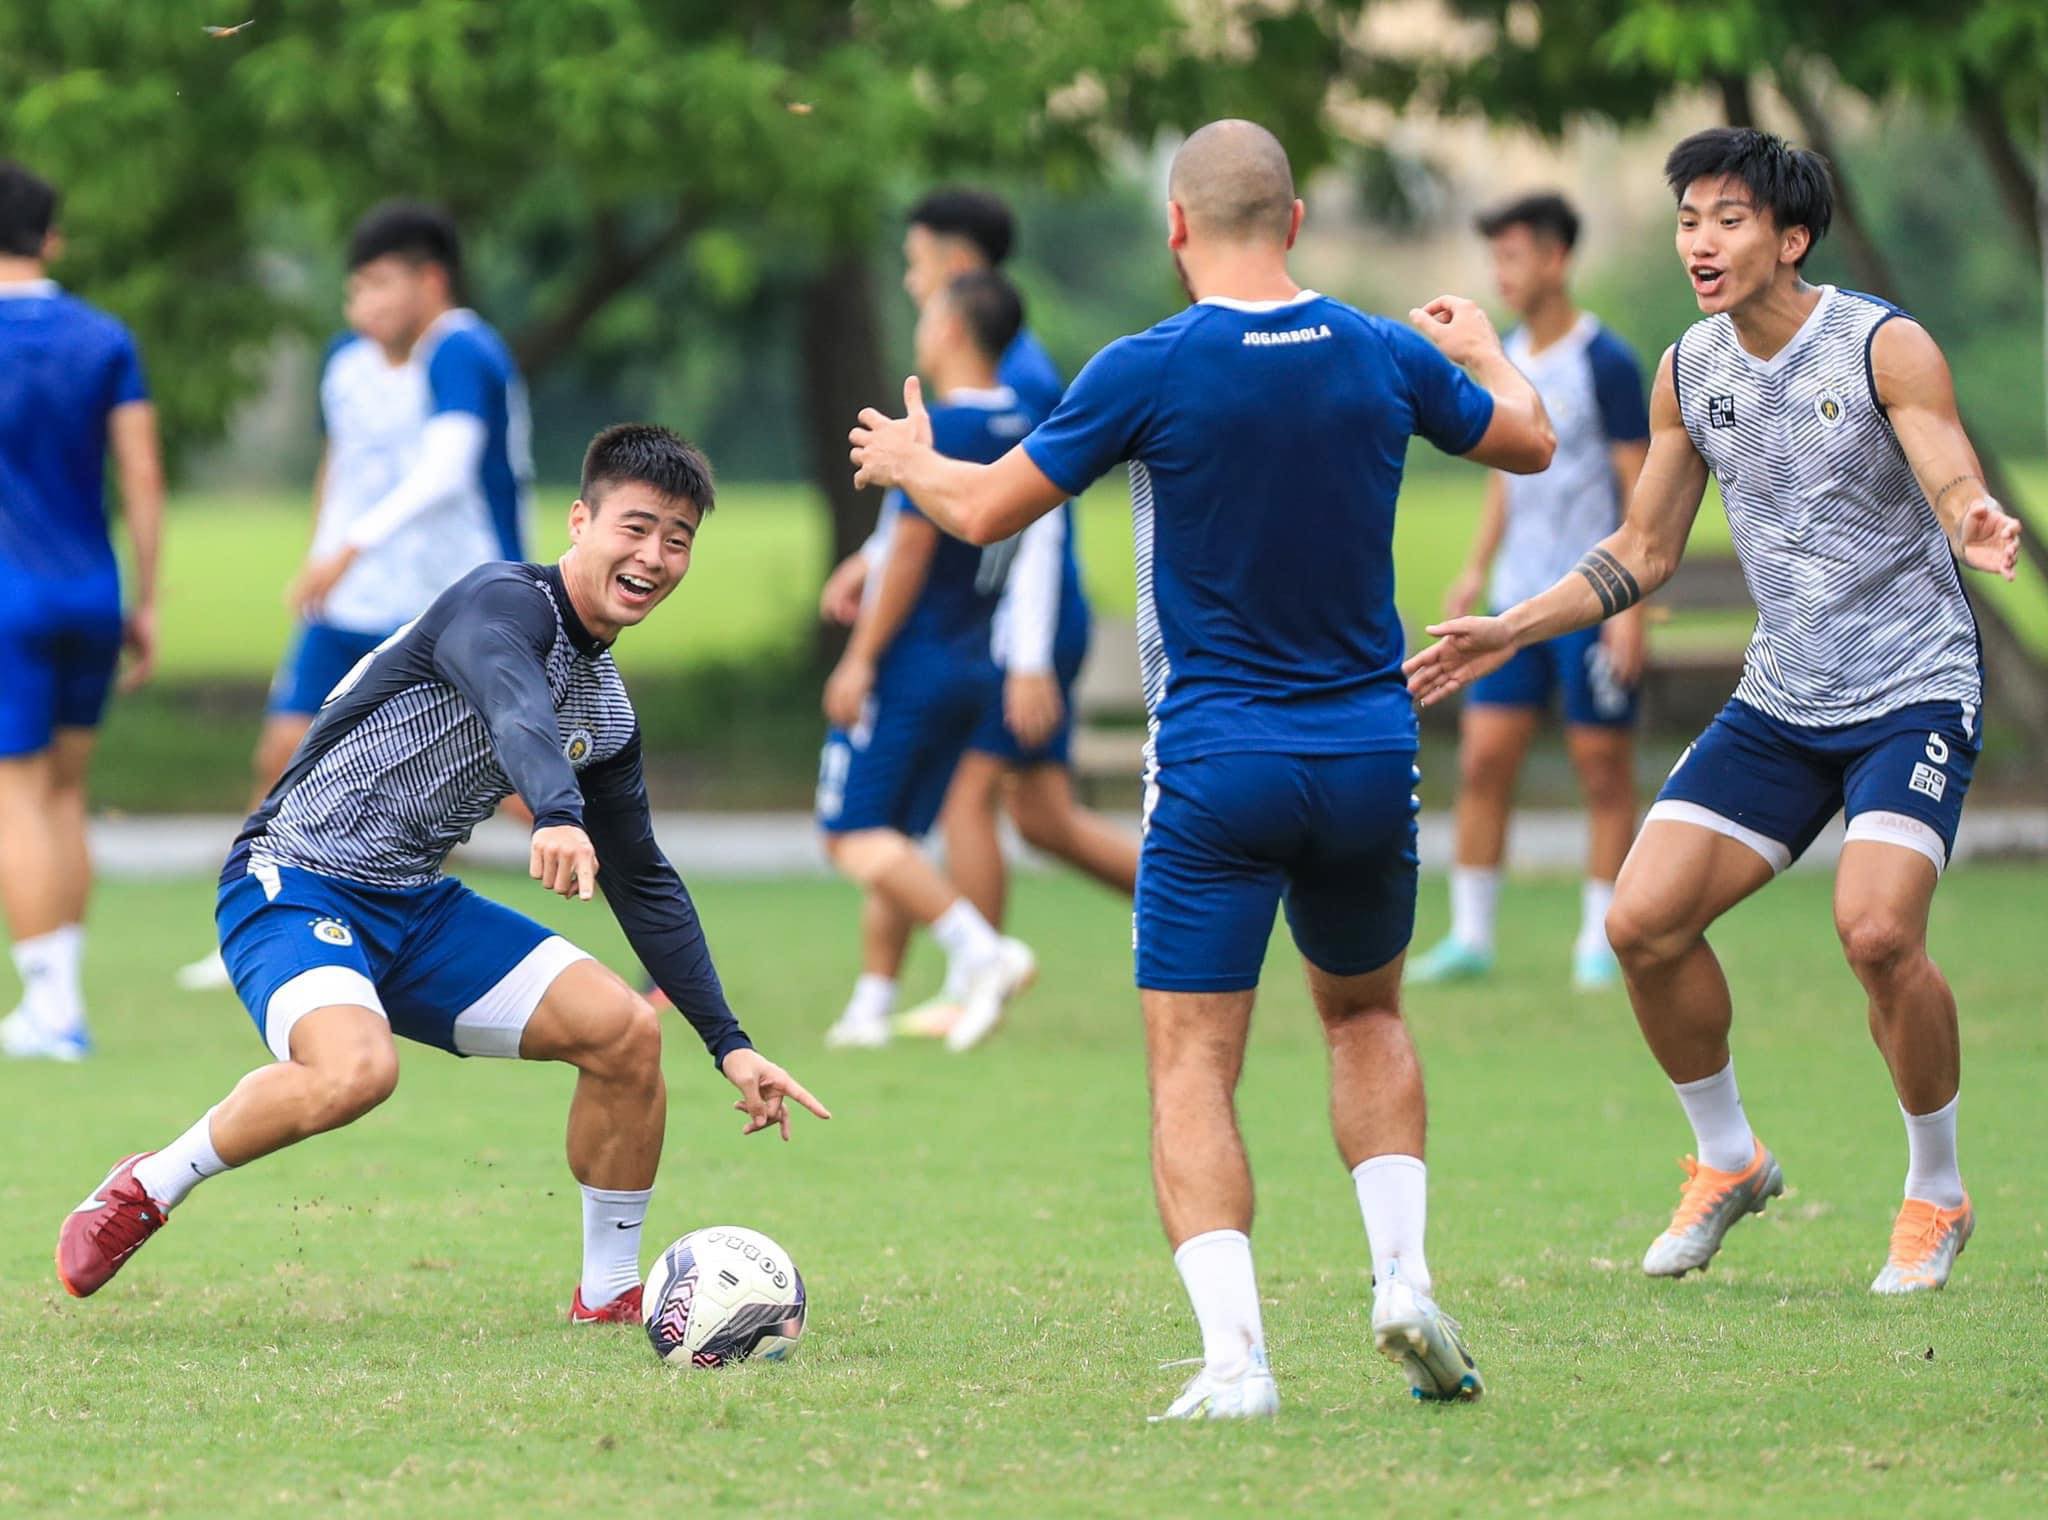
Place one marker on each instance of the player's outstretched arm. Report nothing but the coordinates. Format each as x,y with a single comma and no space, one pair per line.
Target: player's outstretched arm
653,906
1518,437
1919,395
1614,575
982,503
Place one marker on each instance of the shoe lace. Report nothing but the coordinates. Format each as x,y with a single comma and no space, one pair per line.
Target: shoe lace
1915,1235
1697,1195
130,1218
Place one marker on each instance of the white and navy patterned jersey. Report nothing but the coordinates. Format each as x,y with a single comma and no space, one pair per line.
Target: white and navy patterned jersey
1592,388
1860,607
497,687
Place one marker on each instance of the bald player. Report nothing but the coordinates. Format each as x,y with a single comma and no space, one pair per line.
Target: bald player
1265,427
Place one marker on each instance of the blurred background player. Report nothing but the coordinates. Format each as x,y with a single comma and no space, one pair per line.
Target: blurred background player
1532,531
71,388
424,477
1266,428
344,931
915,682
1021,750
1853,494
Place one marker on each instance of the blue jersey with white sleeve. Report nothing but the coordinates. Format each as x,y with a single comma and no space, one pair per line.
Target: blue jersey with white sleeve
64,368
1027,369
470,370
1266,442
954,612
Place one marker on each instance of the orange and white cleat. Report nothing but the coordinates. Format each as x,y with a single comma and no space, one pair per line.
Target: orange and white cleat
1708,1204
1926,1240
623,1310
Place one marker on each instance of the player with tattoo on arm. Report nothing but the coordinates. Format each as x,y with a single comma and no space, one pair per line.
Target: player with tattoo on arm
1854,497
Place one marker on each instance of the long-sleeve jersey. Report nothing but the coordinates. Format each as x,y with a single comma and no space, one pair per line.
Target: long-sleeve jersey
497,687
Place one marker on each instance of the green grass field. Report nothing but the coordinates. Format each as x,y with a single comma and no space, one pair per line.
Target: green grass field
371,1324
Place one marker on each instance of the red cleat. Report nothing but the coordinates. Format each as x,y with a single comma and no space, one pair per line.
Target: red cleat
104,1231
623,1310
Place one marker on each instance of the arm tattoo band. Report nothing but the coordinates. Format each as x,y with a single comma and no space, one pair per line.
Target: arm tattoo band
1959,480
1610,580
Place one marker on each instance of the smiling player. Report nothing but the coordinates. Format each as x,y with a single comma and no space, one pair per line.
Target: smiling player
1829,419
341,931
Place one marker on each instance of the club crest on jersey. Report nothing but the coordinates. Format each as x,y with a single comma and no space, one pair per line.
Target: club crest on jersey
1721,411
332,931
577,749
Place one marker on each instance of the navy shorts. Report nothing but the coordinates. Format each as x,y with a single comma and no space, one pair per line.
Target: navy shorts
892,769
60,639
1901,779
1575,662
319,657
447,967
992,735
1228,838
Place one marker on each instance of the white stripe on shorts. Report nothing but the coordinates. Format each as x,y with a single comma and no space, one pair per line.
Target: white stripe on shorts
322,987
1903,830
494,1023
1777,853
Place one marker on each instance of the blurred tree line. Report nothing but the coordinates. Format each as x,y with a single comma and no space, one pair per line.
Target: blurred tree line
660,191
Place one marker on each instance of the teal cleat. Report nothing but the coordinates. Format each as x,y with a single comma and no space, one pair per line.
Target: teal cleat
1594,969
1450,960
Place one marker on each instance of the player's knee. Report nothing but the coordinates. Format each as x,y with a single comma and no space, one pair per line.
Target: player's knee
637,1047
1642,936
1043,826
1485,768
1877,943
866,855
350,1084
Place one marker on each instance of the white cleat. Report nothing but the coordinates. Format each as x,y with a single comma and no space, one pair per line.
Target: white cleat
1008,972
207,974
23,1039
1245,1393
1409,1329
857,1034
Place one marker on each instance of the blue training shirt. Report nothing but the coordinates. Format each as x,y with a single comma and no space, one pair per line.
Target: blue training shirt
469,369
64,368
954,611
1266,442
1027,369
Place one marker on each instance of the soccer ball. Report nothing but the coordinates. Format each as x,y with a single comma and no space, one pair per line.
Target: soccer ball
722,1295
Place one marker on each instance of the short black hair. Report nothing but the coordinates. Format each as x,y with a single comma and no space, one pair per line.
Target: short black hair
28,210
1793,184
976,215
652,455
410,230
991,308
1545,212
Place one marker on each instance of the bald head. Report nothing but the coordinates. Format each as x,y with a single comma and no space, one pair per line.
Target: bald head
1232,182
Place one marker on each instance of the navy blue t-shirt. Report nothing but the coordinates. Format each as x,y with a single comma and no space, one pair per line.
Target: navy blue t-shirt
954,611
1266,442
64,368
1027,369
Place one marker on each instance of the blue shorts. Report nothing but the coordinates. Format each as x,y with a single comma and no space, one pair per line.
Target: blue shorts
1774,786
992,735
892,770
319,657
1230,837
447,967
1577,662
60,639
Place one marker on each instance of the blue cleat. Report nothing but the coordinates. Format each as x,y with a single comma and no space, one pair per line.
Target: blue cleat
1594,969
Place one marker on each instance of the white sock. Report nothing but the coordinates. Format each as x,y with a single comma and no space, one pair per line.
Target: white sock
1931,1172
182,1165
1720,1128
1393,1195
1594,900
965,935
1216,1268
611,1242
48,966
1474,892
873,1000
